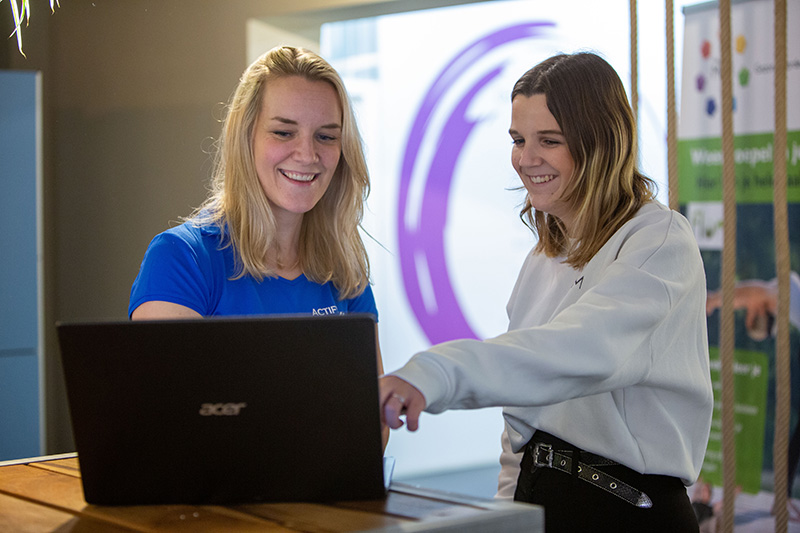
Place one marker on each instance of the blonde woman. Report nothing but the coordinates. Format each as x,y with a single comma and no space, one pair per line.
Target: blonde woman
603,373
279,233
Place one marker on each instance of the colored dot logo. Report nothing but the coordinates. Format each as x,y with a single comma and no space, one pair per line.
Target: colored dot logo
701,79
700,82
741,44
744,77
711,107
744,73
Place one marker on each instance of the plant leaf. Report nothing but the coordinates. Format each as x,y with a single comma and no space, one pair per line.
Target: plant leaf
23,12
18,21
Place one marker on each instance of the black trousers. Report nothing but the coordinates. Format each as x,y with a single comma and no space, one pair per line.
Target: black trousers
571,504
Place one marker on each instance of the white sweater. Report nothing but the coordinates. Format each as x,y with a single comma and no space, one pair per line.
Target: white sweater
612,358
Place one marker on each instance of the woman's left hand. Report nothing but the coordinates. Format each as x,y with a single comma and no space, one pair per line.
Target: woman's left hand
399,397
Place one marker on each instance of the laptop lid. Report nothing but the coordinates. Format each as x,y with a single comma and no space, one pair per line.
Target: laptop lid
225,410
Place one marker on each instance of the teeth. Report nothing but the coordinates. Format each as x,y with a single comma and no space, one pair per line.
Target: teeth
543,179
296,176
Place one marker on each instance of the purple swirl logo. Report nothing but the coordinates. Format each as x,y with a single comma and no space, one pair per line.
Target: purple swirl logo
422,217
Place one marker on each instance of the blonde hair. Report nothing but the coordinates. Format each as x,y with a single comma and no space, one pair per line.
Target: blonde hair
330,246
587,99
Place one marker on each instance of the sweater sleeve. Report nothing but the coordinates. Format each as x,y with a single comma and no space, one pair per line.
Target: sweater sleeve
601,342
363,303
509,469
772,287
794,297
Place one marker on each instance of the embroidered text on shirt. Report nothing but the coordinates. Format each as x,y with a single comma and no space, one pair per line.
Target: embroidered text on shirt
579,282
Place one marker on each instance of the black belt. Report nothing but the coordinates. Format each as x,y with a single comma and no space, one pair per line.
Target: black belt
544,456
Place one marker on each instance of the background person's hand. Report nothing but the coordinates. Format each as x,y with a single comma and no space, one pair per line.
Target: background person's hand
758,300
399,397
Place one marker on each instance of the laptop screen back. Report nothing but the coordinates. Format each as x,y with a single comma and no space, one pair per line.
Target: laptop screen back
224,410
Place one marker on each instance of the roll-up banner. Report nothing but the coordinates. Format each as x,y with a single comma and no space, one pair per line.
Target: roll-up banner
700,194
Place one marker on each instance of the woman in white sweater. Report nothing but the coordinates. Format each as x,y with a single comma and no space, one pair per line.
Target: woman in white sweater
603,373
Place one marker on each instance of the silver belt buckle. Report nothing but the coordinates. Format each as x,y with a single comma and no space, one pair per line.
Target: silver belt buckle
542,455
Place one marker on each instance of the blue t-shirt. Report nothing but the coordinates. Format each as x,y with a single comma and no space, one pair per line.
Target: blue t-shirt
186,265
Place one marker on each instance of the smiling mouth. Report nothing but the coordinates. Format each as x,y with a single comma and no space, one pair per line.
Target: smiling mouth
298,176
542,179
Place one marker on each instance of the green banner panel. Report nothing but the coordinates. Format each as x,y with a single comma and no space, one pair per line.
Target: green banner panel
751,379
700,168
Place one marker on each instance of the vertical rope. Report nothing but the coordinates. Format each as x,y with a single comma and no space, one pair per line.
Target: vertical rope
672,120
780,453
726,335
634,62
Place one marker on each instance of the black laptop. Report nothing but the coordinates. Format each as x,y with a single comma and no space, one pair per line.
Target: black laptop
225,410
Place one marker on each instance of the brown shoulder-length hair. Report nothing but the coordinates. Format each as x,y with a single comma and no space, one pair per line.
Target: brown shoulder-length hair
331,248
587,99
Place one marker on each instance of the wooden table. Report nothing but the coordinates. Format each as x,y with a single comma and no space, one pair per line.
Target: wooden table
45,494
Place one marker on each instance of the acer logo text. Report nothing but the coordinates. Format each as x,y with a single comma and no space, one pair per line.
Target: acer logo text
221,409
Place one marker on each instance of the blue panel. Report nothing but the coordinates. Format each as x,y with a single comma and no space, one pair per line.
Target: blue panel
18,158
19,396
19,361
